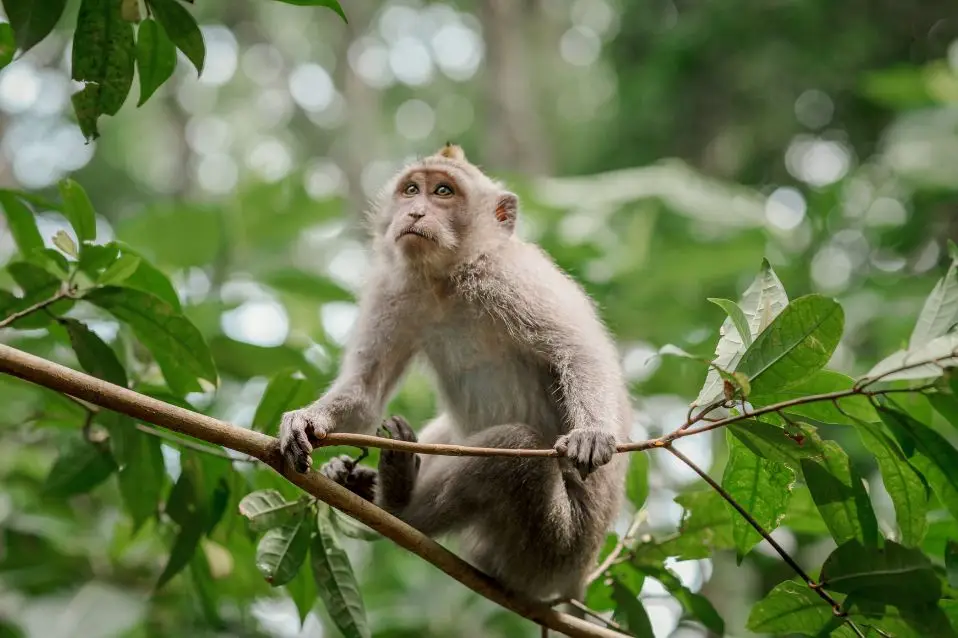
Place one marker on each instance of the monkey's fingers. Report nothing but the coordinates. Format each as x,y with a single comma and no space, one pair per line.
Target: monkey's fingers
294,441
399,429
338,469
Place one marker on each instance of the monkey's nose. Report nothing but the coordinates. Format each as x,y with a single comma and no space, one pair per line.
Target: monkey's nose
417,214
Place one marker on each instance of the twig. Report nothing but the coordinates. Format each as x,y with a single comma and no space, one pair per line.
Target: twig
620,546
63,293
266,448
813,585
594,614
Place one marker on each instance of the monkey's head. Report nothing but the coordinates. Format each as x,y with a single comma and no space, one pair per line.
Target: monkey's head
441,208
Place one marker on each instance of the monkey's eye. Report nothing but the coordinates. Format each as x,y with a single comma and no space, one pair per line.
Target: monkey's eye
410,189
443,190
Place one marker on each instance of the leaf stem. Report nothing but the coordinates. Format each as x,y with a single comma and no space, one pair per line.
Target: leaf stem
63,293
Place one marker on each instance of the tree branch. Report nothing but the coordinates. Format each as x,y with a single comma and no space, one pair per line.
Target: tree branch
266,448
63,293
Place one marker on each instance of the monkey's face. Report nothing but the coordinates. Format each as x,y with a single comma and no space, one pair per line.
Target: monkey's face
426,215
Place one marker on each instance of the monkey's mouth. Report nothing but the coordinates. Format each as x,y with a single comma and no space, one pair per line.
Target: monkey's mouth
418,232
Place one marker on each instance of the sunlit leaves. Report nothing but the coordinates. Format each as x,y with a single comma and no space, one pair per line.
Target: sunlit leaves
791,607
283,549
80,466
892,574
336,582
32,20
924,362
177,345
841,411
182,30
739,320
762,487
155,58
78,209
840,495
103,58
266,509
799,342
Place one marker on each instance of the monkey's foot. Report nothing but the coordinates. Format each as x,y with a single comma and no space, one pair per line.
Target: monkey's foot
588,449
397,470
298,431
358,479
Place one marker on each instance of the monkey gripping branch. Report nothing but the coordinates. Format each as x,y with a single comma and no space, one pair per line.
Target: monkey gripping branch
766,387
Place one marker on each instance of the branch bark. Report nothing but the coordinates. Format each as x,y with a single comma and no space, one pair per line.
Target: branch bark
266,448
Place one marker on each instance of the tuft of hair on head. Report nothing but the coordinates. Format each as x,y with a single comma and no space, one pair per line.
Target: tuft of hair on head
453,152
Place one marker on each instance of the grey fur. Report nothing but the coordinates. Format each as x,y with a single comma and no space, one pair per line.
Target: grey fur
521,359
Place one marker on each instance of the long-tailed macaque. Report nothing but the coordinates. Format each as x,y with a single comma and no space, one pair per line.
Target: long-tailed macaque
521,360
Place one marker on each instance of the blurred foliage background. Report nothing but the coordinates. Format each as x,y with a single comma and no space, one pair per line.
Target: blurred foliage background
661,148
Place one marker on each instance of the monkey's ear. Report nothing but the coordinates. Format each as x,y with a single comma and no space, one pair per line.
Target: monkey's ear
507,208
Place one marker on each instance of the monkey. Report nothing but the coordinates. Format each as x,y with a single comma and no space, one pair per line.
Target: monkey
520,359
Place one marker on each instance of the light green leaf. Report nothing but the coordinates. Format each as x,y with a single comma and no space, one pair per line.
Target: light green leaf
65,243
761,302
798,343
822,382
791,607
155,58
706,527
177,345
803,516
32,20
923,362
904,485
267,509
332,4
637,482
630,612
8,46
336,582
839,494
120,270
78,210
93,354
79,468
775,444
288,390
738,318
181,29
759,485
893,574
148,277
940,312
22,223
283,549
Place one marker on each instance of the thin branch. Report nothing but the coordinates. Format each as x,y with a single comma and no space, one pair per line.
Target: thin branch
594,614
620,546
63,293
196,447
266,448
815,586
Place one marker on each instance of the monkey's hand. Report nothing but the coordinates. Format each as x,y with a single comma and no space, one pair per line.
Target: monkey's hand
397,470
356,478
298,431
587,448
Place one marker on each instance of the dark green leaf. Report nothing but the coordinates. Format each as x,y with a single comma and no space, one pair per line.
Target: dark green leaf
86,105
142,475
149,278
760,486
775,444
705,528
936,459
893,574
332,4
637,483
79,468
630,613
22,223
798,343
283,549
32,20
78,209
302,589
349,526
120,270
951,562
940,312
98,257
185,545
266,509
336,582
822,382
206,589
738,318
946,405
288,390
791,607
8,47
695,604
155,58
94,355
839,494
904,485
181,29
177,345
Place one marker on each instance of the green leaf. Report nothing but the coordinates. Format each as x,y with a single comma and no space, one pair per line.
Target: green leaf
803,516
283,549
184,546
840,496
8,46
38,286
349,526
738,318
930,454
267,509
798,343
181,29
22,223
760,486
695,604
288,390
791,607
904,485
32,20
336,582
630,613
142,474
65,243
120,270
940,312
86,105
79,468
637,483
706,527
761,302
155,58
951,562
302,589
924,362
78,209
177,345
332,4
205,587
149,278
893,574
307,285
775,444
103,57
94,355
822,382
